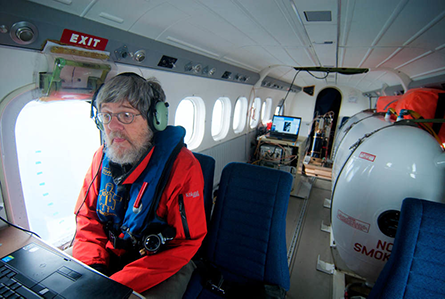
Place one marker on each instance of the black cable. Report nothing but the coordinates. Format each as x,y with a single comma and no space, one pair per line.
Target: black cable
86,194
321,78
20,228
293,80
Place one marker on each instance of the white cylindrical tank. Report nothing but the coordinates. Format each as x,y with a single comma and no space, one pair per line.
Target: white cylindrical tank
394,163
343,130
356,130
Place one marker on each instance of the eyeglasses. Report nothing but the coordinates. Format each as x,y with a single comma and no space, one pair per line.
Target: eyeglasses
123,117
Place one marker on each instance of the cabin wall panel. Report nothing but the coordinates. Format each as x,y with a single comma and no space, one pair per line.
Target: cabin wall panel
19,68
234,150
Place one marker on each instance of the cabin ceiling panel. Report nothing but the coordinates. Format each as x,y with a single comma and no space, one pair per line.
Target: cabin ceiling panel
222,29
324,42
274,20
75,8
326,54
429,65
415,18
191,8
433,38
300,56
349,80
196,39
254,56
255,34
405,56
283,55
352,57
283,73
235,15
155,22
118,14
378,56
367,21
316,5
321,33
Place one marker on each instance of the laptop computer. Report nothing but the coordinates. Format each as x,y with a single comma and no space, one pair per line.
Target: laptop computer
285,127
34,271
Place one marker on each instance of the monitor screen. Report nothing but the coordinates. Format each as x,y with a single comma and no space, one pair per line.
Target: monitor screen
286,125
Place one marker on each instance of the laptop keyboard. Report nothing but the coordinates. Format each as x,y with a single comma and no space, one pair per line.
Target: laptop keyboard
15,285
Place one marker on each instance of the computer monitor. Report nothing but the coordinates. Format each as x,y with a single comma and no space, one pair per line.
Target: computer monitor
286,127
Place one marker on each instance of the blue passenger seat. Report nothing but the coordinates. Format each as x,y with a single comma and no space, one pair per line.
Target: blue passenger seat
208,172
416,267
246,242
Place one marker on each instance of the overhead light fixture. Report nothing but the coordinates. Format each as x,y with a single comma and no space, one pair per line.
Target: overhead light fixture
23,33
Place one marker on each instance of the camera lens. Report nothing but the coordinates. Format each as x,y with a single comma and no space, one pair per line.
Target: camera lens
152,243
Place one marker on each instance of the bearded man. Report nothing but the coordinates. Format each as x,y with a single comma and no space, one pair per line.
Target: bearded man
140,214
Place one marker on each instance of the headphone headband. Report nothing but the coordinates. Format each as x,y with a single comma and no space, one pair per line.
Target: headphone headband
157,114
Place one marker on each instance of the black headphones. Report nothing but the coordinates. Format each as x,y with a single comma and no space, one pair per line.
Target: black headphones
157,115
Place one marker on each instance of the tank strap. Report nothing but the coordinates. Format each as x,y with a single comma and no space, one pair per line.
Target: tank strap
440,111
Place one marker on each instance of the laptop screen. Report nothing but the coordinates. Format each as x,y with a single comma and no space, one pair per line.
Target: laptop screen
286,126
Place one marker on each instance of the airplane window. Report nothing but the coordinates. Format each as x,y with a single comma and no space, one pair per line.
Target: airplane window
190,114
55,145
265,111
220,117
279,110
255,113
185,116
239,115
217,118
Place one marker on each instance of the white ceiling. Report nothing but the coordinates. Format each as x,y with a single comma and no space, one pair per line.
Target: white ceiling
393,38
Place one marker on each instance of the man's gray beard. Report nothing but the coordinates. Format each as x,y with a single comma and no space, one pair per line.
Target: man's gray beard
130,157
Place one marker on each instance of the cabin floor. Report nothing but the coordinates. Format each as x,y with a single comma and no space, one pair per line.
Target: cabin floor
307,243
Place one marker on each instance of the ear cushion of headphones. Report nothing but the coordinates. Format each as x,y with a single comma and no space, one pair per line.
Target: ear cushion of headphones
160,116
94,109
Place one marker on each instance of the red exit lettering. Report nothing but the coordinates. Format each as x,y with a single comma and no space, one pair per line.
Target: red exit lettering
83,40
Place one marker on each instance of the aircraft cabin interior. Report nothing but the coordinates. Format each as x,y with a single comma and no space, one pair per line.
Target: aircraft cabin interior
318,125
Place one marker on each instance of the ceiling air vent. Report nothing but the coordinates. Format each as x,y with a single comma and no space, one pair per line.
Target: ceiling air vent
318,16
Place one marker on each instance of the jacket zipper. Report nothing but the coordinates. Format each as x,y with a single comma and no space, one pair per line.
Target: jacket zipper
185,224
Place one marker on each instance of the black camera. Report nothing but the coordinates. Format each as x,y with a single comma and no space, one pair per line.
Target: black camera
153,242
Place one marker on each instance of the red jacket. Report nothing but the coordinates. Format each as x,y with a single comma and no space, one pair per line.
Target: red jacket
91,244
